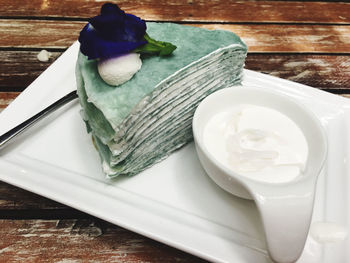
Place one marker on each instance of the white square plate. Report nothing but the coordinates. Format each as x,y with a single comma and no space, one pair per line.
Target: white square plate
173,202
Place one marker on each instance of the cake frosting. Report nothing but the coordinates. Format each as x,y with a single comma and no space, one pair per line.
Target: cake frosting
143,120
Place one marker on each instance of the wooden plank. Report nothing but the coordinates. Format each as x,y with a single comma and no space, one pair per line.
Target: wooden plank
320,71
80,241
5,99
189,10
259,38
19,68
38,34
291,38
17,203
14,198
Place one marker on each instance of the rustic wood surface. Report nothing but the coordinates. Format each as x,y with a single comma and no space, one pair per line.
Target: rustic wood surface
80,240
324,71
259,37
303,41
191,10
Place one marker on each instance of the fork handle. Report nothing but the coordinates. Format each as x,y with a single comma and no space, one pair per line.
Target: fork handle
8,136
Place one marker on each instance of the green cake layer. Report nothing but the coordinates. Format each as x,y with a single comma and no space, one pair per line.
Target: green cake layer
145,119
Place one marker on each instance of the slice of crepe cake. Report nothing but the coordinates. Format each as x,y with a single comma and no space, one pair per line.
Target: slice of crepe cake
142,121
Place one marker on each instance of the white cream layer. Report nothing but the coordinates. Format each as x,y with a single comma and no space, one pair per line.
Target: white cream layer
258,142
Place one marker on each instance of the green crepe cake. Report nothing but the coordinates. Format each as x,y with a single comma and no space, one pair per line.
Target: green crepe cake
143,120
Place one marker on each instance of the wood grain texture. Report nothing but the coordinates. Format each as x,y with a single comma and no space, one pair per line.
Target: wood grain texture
90,240
38,34
259,38
328,72
5,99
20,68
291,38
190,10
14,198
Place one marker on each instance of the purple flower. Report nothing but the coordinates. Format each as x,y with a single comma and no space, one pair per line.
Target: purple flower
112,33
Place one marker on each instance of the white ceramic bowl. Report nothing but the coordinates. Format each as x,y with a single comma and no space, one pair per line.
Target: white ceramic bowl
285,208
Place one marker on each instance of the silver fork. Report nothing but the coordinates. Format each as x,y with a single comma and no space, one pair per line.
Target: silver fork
8,136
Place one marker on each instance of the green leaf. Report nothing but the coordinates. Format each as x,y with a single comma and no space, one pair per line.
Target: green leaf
154,47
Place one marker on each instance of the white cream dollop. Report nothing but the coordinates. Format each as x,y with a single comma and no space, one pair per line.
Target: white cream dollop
116,71
258,142
44,55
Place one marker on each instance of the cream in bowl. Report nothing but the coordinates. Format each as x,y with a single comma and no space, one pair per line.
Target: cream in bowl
262,145
257,142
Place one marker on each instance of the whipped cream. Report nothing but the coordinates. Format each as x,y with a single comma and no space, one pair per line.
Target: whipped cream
118,70
258,142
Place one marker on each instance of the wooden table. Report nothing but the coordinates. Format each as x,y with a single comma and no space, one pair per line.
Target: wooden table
307,42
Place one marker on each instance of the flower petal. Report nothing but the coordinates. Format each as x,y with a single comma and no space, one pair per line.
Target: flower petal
135,28
108,26
111,9
94,46
112,29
